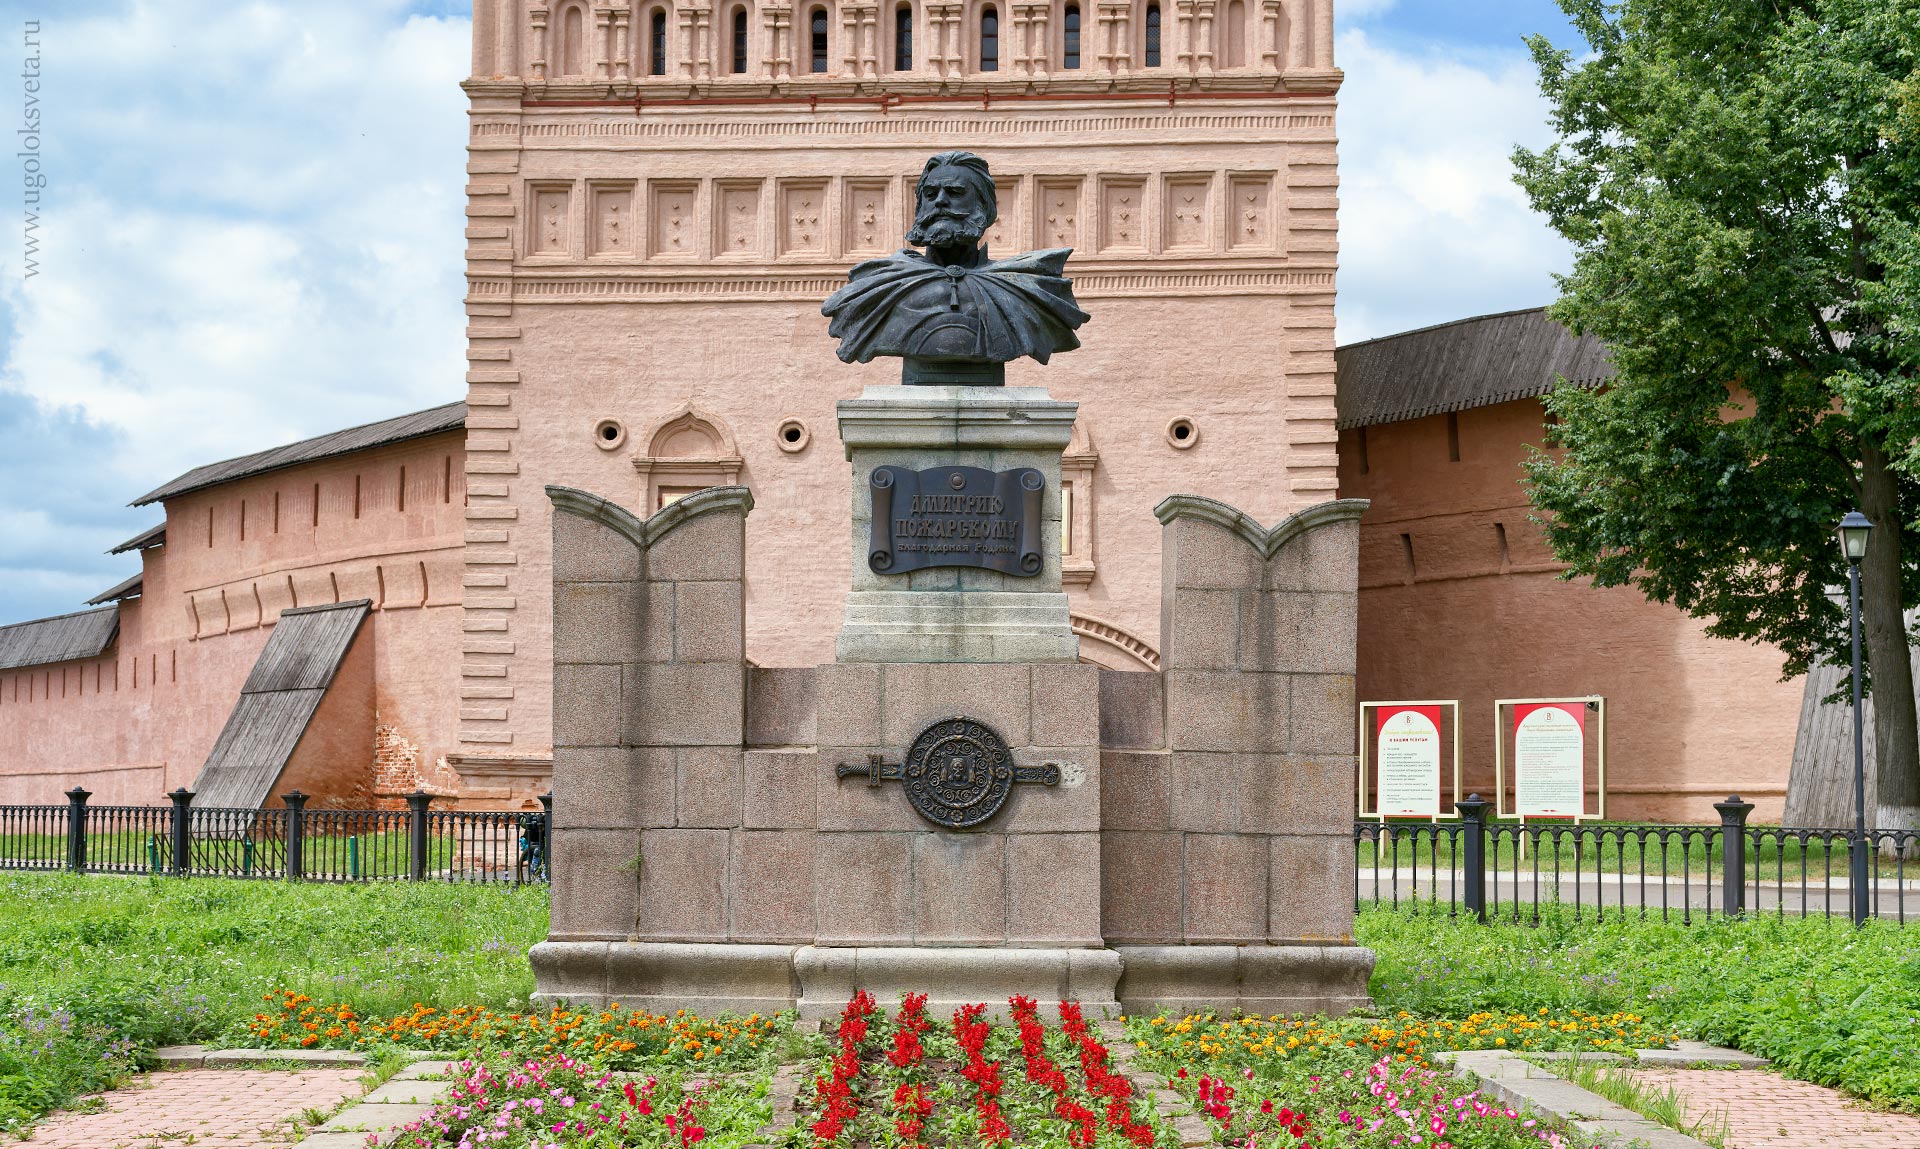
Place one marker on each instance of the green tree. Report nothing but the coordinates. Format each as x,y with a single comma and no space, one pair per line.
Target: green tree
1740,180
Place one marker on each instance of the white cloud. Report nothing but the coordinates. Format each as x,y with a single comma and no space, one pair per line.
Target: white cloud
252,234
1432,226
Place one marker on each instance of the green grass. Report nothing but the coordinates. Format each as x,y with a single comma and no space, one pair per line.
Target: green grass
154,961
1827,1003
96,971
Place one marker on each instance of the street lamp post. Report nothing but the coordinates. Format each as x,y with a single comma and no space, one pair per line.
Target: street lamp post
1854,529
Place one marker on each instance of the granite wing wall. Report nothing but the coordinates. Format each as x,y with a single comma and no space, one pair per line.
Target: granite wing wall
1234,834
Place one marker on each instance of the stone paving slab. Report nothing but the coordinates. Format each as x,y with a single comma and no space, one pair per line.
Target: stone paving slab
1508,1079
425,1068
1690,1053
181,1056
232,1108
406,1092
374,1118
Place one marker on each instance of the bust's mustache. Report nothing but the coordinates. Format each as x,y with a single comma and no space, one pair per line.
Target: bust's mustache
939,227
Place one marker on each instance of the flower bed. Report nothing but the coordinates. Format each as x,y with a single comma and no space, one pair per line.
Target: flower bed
560,1102
1242,1042
614,1038
1272,1083
904,1083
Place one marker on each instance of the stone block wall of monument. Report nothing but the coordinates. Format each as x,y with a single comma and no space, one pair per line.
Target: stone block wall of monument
659,197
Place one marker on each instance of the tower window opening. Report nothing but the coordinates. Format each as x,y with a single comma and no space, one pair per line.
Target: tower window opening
903,38
989,40
1070,53
1153,36
657,44
817,27
573,42
739,41
1236,34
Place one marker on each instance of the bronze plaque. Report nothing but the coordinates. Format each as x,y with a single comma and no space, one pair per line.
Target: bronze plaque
956,517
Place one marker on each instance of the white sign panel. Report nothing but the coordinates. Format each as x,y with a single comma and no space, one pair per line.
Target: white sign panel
1549,760
1408,762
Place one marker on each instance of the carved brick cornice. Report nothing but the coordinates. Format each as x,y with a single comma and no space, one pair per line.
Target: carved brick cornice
776,283
1303,122
996,89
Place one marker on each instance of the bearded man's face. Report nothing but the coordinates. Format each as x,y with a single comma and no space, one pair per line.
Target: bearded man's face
950,214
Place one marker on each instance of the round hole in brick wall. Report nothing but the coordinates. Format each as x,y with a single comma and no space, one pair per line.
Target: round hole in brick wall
792,436
1182,434
609,434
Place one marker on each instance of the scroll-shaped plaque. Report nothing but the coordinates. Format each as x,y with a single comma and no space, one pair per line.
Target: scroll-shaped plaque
957,517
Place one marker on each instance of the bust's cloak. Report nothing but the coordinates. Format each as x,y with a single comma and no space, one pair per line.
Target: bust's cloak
905,304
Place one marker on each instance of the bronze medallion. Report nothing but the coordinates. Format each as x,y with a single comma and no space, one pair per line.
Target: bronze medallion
958,773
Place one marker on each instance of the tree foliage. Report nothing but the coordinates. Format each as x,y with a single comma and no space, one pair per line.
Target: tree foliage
1741,182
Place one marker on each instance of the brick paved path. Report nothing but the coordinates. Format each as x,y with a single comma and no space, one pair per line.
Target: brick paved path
220,1108
1767,1111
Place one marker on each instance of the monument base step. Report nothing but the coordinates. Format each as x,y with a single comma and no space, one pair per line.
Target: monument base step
714,977
1253,979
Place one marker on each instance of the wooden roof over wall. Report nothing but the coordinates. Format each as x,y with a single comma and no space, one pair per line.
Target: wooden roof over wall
432,421
277,702
63,638
129,588
1456,366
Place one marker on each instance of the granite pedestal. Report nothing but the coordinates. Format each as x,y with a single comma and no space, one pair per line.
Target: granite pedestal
724,836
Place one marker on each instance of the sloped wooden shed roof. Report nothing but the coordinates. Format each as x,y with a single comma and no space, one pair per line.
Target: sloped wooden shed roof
432,421
276,704
127,589
153,536
62,638
1460,365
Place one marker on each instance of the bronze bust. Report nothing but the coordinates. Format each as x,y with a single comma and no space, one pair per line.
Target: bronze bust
953,314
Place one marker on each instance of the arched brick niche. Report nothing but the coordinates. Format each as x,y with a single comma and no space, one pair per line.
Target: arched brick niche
690,451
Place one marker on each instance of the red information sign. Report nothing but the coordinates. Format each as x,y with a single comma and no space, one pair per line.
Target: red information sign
1407,761
1549,759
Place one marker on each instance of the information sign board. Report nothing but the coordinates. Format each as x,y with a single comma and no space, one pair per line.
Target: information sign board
1407,761
1549,759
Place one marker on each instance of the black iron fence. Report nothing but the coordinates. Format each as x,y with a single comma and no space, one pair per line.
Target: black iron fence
294,842
1486,870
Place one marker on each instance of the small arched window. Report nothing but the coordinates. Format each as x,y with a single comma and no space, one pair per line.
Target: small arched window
1070,49
657,44
573,41
1236,34
1153,36
903,38
817,28
739,41
989,40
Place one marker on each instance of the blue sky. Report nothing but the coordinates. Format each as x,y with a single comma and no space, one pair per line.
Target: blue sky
252,233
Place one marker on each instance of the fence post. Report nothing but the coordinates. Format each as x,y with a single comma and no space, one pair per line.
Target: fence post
417,834
1473,828
1733,854
77,829
546,834
182,841
296,835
